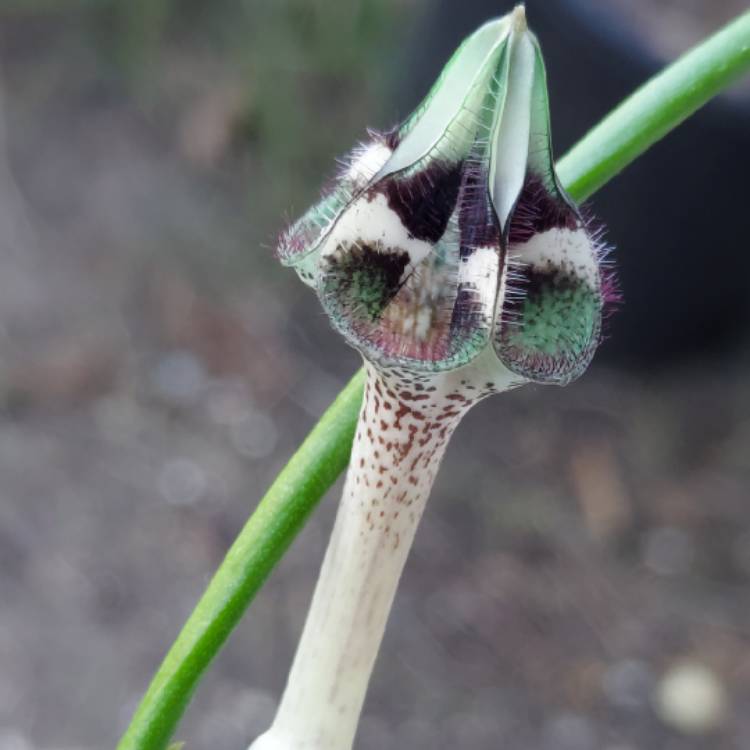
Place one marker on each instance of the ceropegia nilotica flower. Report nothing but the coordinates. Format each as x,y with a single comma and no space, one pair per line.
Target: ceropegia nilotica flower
448,253
451,233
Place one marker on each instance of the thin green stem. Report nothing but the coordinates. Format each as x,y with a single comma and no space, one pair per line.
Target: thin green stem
645,117
261,544
657,107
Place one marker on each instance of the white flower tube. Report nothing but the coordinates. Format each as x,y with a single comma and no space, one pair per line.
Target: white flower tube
403,429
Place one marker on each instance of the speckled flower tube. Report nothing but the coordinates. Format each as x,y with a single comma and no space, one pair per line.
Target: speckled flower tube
448,254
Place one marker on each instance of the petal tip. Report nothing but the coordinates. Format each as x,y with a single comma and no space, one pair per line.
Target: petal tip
518,19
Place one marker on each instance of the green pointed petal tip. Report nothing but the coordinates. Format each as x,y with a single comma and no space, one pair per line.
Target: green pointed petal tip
443,126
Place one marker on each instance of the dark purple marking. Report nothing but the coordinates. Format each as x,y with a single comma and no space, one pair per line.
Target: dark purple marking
537,210
468,315
364,278
425,200
477,221
535,280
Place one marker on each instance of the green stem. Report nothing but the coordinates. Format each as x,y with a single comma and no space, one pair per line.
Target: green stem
261,544
657,107
641,120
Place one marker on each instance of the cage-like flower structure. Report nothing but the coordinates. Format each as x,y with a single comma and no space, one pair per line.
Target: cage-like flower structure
451,234
447,252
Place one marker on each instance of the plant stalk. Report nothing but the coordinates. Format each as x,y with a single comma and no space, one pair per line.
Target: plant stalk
402,432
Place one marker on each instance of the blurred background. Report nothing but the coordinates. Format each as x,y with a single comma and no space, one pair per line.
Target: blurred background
581,580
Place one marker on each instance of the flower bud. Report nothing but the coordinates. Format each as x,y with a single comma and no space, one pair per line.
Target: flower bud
451,234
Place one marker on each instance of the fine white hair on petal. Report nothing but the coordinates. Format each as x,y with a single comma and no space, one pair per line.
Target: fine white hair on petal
367,160
512,291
